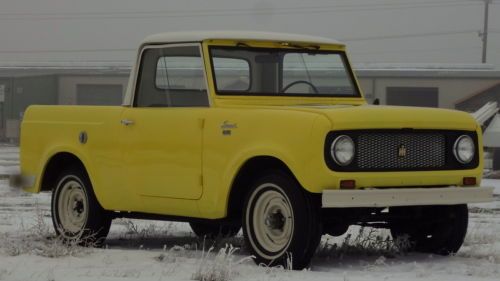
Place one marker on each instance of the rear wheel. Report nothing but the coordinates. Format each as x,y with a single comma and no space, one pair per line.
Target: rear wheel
76,214
212,230
281,222
431,229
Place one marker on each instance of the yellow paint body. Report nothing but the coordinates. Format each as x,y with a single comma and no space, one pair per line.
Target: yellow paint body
177,161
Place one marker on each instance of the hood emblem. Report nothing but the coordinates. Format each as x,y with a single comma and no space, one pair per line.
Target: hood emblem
402,151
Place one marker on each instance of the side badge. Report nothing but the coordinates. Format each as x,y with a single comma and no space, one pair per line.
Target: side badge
227,128
82,137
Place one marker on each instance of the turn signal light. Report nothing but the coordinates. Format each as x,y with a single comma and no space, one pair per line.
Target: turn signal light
347,184
469,181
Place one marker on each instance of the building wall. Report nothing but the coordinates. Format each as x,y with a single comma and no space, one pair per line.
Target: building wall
68,85
450,90
21,93
367,87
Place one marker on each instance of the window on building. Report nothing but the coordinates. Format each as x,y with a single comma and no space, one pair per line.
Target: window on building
413,96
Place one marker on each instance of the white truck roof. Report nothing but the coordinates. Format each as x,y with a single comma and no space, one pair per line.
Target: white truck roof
198,36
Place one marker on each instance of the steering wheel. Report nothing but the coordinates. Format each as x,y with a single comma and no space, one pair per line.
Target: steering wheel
300,82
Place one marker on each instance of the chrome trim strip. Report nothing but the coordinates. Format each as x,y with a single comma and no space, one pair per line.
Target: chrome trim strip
406,196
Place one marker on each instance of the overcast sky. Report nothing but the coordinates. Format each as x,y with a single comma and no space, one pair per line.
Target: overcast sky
392,31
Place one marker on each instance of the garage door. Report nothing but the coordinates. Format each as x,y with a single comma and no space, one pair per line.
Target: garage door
413,96
87,94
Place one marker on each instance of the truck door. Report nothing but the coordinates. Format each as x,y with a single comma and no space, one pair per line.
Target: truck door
163,129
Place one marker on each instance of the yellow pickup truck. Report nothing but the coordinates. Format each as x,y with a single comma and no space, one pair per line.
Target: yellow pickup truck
262,131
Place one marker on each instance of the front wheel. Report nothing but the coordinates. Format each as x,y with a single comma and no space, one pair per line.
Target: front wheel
76,214
281,222
431,229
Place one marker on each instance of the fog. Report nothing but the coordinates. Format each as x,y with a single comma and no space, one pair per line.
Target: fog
406,31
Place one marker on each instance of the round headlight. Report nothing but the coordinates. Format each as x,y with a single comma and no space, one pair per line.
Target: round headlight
342,150
464,149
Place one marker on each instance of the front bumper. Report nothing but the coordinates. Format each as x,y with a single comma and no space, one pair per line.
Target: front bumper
405,196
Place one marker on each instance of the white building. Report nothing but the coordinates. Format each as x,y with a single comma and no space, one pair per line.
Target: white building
463,87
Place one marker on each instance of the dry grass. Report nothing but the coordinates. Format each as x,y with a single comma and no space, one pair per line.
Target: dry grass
135,231
39,239
218,268
366,241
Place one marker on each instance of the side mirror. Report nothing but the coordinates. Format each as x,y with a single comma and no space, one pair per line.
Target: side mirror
376,101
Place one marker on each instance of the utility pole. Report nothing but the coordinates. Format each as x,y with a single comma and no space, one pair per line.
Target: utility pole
484,34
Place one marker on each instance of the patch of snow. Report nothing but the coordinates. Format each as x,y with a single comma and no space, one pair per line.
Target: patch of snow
492,182
155,250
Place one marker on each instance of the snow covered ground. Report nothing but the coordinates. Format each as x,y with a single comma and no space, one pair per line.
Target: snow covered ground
150,250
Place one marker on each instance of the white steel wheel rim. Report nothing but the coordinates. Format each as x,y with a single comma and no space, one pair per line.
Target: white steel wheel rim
272,221
72,207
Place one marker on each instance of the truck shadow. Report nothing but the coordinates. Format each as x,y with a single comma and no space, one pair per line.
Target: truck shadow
188,242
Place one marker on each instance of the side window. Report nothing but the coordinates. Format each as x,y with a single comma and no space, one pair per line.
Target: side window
171,77
180,73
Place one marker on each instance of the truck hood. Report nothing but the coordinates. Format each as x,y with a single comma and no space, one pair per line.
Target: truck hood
345,117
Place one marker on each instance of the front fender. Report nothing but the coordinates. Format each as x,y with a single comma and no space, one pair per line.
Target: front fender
297,147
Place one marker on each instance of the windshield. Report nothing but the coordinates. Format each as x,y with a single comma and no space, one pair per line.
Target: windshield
281,72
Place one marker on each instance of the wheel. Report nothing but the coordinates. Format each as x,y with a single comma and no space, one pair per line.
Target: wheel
300,82
212,230
431,229
281,222
76,214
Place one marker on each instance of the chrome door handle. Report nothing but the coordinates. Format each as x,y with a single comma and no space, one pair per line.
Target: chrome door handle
126,122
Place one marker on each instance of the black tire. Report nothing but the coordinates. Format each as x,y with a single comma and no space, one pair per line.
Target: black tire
335,229
431,229
287,229
496,159
213,230
77,216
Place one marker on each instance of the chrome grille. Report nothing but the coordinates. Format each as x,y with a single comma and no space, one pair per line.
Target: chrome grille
400,151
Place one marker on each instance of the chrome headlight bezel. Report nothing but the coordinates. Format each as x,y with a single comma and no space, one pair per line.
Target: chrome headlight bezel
335,150
463,145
